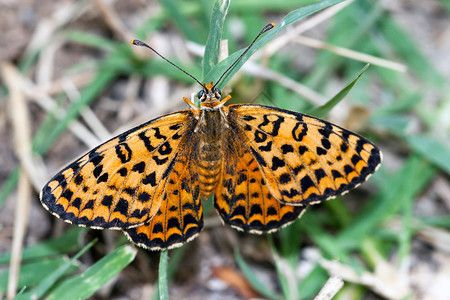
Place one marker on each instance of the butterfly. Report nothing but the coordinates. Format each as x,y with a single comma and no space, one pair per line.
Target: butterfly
265,166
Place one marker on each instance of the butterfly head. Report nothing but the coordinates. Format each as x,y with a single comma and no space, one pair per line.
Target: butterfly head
210,96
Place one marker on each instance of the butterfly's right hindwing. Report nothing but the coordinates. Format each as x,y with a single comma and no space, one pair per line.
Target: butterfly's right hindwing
119,183
242,196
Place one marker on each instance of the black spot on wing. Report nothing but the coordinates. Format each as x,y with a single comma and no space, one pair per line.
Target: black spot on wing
286,148
259,159
266,148
260,136
321,151
139,167
95,158
97,171
320,173
306,182
103,178
146,141
150,179
300,130
107,200
123,152
158,134
144,197
123,172
165,149
277,163
160,161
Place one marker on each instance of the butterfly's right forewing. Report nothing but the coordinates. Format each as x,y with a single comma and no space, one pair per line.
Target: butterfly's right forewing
119,183
303,159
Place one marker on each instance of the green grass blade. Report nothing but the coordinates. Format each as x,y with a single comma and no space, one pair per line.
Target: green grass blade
290,18
446,4
441,221
163,285
285,273
407,231
176,257
92,40
32,273
410,53
431,149
258,6
409,180
9,185
312,283
70,241
50,280
323,110
211,57
252,279
174,10
328,245
290,242
85,285
22,290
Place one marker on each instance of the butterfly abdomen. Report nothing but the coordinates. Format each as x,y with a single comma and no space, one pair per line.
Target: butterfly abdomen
210,151
208,177
209,167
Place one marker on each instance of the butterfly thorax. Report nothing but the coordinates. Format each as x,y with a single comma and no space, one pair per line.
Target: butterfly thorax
210,132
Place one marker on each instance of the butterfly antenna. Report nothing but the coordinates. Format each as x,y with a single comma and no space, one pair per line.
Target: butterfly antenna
266,28
142,44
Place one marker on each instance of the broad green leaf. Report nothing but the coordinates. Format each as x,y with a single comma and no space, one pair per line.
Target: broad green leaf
85,285
32,273
49,281
290,18
211,57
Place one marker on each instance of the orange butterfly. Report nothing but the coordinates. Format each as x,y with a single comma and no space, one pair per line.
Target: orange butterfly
265,165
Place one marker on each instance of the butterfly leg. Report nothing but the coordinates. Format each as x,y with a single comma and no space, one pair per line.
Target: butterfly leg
189,102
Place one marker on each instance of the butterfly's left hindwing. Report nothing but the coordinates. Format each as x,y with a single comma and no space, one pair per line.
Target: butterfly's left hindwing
180,216
303,159
120,183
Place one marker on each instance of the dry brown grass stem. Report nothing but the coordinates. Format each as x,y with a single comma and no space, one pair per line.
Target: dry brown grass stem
329,290
112,19
283,39
49,104
314,43
20,121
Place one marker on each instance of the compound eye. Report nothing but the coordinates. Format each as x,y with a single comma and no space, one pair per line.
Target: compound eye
200,94
216,90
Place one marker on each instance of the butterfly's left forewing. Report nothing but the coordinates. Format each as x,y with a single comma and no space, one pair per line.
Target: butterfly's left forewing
119,183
